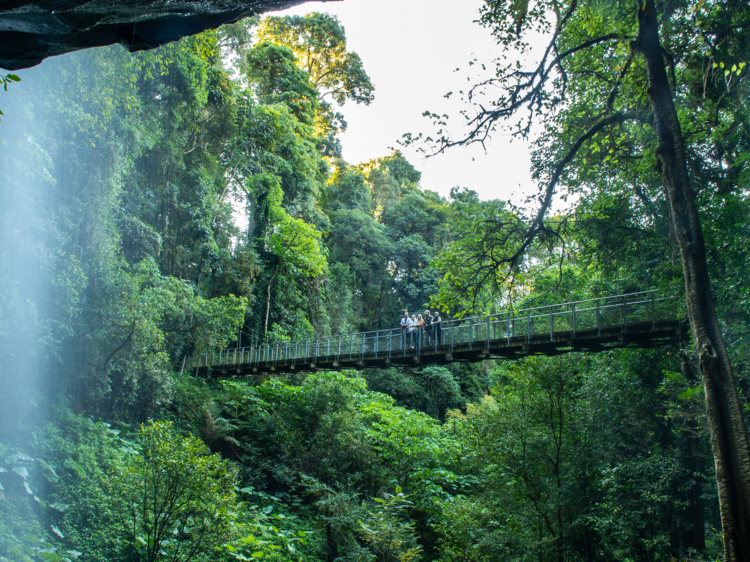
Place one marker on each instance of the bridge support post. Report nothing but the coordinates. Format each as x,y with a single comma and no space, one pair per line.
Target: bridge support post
507,329
573,320
653,317
528,325
551,324
488,332
598,320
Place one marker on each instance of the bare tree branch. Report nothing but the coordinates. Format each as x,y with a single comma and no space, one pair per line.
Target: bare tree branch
528,90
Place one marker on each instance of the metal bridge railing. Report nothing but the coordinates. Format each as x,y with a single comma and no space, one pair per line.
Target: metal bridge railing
475,332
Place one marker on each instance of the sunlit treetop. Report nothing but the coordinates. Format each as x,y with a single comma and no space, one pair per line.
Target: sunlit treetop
319,43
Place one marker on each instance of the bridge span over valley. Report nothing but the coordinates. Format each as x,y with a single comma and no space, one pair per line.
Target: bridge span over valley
637,320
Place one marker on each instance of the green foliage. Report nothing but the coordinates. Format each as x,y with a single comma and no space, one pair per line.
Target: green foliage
273,69
384,531
319,43
84,456
337,443
144,317
179,503
22,536
6,79
59,504
292,241
486,234
349,190
561,469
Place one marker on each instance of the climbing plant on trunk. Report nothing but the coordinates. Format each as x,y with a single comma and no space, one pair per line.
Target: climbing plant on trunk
294,244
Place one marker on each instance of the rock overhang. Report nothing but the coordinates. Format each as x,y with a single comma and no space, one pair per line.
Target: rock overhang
32,30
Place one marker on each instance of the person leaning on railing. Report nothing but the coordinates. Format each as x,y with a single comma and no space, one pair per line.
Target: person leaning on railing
405,329
437,327
413,330
420,330
428,329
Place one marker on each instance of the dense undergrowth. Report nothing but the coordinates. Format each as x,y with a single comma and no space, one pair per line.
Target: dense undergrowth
597,454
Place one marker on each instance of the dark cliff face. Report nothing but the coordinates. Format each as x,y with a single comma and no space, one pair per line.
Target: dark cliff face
31,30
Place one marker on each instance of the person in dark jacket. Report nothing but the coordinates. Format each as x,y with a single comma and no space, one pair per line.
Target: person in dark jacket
437,327
428,329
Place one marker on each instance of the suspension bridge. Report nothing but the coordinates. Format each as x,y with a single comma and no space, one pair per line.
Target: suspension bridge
638,320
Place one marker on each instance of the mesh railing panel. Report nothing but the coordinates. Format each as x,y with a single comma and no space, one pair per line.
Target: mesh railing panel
553,321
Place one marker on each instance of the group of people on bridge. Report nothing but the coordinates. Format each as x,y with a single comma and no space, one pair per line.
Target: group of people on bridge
419,330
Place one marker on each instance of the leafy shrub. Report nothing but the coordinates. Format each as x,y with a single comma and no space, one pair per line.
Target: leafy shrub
179,502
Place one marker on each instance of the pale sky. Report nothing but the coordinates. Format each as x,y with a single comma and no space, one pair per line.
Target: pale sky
411,49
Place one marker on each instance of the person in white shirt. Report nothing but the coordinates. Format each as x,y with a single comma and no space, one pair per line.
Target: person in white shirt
405,330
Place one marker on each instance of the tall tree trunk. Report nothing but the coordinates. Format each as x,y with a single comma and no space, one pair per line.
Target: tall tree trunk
697,531
729,439
268,299
696,534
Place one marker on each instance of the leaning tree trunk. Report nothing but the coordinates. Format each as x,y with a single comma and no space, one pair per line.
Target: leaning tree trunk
729,439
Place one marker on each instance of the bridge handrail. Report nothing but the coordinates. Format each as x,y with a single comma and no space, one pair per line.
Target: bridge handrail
380,341
570,303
